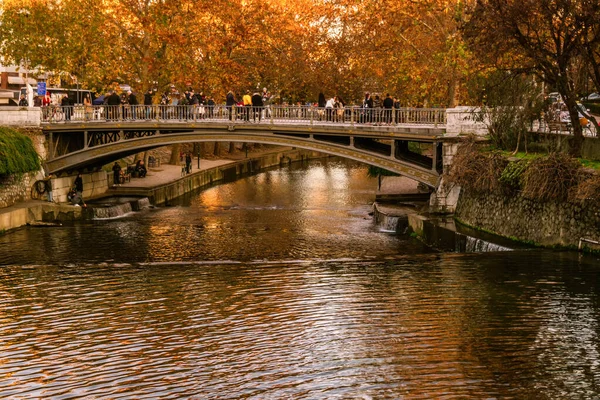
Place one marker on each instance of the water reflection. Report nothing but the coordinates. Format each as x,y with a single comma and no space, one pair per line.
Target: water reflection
251,291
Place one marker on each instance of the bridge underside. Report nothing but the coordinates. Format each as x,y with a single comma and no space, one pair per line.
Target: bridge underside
77,148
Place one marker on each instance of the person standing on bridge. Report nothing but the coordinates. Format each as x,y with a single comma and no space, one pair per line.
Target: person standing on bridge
247,105
230,103
113,102
257,106
388,104
66,106
116,173
321,103
148,103
133,103
367,108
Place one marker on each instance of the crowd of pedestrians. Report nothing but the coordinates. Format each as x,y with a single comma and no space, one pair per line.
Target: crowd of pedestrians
249,107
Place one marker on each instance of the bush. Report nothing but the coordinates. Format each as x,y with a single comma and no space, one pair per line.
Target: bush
588,187
476,171
17,154
551,178
556,177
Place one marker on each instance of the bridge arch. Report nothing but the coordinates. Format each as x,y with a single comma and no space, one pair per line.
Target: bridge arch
100,146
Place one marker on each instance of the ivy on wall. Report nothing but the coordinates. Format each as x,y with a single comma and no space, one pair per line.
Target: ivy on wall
17,154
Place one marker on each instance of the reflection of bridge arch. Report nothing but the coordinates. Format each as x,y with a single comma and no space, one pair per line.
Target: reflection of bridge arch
92,145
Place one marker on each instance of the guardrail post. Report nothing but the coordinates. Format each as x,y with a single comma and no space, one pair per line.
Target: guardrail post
272,112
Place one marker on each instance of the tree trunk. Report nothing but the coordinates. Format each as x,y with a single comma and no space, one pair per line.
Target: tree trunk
231,147
175,150
453,92
217,149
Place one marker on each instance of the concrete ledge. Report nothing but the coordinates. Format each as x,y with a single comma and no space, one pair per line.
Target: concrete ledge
20,116
18,216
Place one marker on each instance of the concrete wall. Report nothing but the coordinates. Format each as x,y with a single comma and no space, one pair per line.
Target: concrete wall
18,188
94,185
48,212
548,223
20,116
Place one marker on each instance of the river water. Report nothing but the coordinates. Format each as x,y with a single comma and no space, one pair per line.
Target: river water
279,286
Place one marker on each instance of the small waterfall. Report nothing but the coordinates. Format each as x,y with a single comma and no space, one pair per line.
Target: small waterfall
116,207
389,224
475,245
114,211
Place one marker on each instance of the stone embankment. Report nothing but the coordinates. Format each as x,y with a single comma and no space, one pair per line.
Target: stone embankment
542,223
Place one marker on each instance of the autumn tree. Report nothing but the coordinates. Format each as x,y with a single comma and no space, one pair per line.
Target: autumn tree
539,36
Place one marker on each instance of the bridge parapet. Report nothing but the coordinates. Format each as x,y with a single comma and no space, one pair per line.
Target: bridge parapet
465,120
20,116
280,114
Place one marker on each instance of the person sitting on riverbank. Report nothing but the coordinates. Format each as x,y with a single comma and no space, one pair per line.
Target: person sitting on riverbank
75,198
140,169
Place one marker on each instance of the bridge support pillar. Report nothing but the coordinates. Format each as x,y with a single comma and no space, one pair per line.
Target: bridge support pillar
50,146
85,139
445,198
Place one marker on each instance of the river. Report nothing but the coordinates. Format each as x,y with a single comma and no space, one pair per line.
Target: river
279,286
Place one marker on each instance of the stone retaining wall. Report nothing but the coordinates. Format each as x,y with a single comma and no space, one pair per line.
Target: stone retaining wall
548,223
17,188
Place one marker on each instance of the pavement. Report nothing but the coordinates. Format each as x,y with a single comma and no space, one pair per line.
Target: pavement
167,173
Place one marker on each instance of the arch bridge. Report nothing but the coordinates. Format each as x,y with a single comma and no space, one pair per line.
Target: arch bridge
406,141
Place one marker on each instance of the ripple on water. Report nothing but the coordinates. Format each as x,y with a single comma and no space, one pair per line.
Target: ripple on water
427,327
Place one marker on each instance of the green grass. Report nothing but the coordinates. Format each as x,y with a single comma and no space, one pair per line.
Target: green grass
522,155
532,156
590,164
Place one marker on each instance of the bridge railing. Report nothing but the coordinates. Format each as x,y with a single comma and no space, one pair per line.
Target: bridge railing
239,114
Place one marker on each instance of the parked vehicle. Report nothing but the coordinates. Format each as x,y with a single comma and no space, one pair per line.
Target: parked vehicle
56,94
592,97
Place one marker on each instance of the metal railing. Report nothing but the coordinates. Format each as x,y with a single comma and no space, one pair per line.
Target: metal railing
239,114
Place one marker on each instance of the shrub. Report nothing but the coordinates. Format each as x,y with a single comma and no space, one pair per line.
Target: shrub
17,154
551,178
476,171
588,187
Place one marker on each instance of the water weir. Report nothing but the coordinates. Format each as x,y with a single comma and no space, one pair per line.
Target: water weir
441,233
